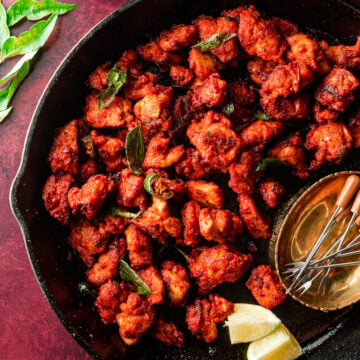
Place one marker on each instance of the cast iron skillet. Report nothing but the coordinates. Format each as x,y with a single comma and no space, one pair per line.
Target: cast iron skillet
62,100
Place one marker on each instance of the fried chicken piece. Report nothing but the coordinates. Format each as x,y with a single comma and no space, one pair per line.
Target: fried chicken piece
242,174
115,225
343,55
220,308
178,36
202,64
306,50
135,318
323,114
332,143
354,127
256,223
87,169
111,295
163,185
107,265
336,90
290,151
109,150
152,278
129,61
207,194
241,93
97,79
213,266
131,190
158,154
287,27
181,75
219,225
211,93
260,37
233,13
216,142
63,155
190,220
144,85
167,333
207,27
87,239
271,191
260,69
176,282
117,114
139,247
260,133
55,193
265,286
192,166
90,197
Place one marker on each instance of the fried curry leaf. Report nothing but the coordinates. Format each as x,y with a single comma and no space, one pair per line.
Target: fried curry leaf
162,193
265,163
135,150
116,79
29,41
213,41
4,30
228,109
89,146
126,214
262,116
35,10
129,275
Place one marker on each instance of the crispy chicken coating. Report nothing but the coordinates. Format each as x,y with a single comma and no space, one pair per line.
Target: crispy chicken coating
271,191
181,75
205,193
178,36
323,114
129,60
87,239
336,90
216,142
290,151
115,225
190,220
265,286
176,282
242,174
260,69
144,85
97,79
213,266
107,265
256,223
287,27
55,193
306,50
159,155
139,247
219,225
163,185
241,93
260,37
87,169
332,143
192,166
135,318
260,133
168,333
220,308
63,155
202,64
354,127
208,27
117,114
152,278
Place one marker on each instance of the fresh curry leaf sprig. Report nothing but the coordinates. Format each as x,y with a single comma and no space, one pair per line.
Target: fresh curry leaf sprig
213,41
135,150
129,275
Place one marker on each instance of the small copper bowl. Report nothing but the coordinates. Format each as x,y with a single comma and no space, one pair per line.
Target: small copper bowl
297,235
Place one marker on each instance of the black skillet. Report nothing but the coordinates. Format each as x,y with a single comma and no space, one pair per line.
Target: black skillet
324,336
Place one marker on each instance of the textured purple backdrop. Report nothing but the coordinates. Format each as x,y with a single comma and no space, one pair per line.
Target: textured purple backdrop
29,329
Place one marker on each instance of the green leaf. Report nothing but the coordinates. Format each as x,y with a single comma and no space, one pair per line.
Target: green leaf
5,113
262,116
129,275
29,41
116,79
4,30
213,41
228,109
35,10
265,163
161,191
135,150
126,214
89,146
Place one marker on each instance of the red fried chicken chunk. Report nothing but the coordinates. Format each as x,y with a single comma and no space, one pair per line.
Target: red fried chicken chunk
176,282
220,308
323,114
190,220
142,86
55,193
354,127
151,277
213,266
135,318
178,36
202,64
64,151
192,166
205,193
181,75
97,79
271,191
265,286
87,169
260,69
168,333
91,196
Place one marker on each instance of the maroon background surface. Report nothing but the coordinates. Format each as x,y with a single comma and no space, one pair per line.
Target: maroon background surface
29,329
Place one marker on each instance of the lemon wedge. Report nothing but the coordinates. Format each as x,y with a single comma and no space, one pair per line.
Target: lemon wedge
279,345
250,322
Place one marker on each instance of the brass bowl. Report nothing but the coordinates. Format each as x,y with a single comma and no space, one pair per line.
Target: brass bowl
297,235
